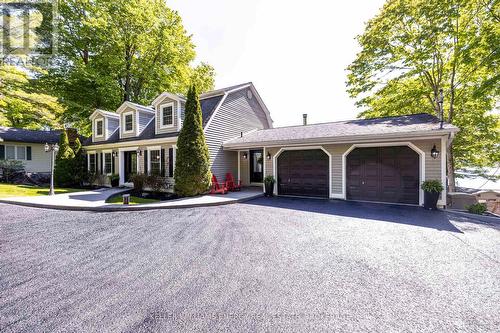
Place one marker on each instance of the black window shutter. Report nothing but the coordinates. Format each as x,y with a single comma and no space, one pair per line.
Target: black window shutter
145,161
102,163
112,163
28,153
162,159
170,162
2,152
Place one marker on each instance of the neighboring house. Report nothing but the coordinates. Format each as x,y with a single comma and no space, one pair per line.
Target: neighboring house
27,146
383,160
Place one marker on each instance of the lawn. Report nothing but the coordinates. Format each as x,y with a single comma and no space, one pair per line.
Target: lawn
133,200
11,190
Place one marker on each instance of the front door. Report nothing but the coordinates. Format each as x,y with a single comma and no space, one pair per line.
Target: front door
130,158
256,167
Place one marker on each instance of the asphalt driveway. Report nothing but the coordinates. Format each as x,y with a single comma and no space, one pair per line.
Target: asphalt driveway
265,265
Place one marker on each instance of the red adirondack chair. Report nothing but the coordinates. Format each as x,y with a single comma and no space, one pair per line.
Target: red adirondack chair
216,187
232,185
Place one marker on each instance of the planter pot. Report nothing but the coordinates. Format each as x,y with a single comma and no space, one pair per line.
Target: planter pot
430,200
269,189
115,182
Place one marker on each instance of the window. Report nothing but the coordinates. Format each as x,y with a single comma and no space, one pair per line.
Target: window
154,162
10,152
107,164
167,115
21,153
129,122
92,164
99,127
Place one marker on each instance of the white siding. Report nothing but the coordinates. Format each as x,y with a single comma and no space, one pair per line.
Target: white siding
40,160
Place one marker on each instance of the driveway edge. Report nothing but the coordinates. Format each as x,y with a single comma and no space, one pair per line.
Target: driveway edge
127,208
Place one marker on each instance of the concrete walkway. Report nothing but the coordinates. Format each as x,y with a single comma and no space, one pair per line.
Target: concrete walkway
96,200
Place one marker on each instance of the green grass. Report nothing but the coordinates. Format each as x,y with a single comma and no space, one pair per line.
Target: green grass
11,190
133,200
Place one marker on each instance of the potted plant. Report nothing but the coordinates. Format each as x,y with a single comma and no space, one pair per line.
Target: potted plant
114,180
431,188
269,185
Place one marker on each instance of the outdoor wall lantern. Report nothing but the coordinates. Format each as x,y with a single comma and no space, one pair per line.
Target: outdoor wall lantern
139,152
245,156
114,154
268,156
434,152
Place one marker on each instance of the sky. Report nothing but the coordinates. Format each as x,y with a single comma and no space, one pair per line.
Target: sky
295,52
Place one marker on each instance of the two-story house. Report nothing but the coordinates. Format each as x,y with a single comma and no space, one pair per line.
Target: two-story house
142,139
382,160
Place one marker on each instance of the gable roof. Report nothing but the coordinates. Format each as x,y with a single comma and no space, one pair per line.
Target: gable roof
28,136
135,106
339,131
104,113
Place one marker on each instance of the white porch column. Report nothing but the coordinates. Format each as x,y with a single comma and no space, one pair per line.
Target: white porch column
120,167
239,167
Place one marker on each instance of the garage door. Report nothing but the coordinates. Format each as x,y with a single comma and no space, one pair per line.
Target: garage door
385,174
303,173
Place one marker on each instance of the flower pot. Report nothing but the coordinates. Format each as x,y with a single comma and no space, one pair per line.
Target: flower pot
430,200
115,182
269,189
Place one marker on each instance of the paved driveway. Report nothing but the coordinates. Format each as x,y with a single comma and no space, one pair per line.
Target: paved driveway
266,265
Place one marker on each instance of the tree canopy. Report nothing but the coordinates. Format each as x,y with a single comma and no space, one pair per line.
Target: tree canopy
414,48
112,51
21,105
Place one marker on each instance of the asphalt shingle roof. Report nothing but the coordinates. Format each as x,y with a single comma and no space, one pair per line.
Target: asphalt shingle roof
345,129
28,136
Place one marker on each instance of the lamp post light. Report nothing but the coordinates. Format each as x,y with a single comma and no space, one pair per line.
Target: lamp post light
53,148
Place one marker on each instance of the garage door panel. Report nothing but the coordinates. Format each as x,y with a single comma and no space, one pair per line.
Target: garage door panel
387,174
303,173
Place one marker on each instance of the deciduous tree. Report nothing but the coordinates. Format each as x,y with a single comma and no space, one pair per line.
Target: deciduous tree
412,49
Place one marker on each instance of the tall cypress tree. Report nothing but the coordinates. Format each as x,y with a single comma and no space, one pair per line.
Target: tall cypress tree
63,171
192,166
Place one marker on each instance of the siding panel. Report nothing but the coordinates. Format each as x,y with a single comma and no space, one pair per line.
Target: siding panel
237,114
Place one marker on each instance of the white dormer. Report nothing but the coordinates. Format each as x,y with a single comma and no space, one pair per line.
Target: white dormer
169,109
104,124
134,118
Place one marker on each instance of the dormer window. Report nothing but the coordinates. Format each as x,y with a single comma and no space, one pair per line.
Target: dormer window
167,115
99,127
129,122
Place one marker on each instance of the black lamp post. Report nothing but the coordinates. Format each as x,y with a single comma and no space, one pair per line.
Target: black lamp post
434,152
53,148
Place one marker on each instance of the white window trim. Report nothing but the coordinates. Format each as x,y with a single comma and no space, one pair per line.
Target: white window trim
110,152
149,149
124,115
95,127
172,104
25,153
93,152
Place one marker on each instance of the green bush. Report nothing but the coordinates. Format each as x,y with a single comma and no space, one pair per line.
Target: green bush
269,179
8,168
156,183
432,186
64,174
139,181
192,166
477,208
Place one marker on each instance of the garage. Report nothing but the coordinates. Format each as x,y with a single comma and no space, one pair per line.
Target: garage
383,174
303,173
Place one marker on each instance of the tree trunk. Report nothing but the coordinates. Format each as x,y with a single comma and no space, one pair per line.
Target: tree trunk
450,168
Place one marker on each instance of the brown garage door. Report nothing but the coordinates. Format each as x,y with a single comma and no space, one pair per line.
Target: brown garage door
385,174
303,173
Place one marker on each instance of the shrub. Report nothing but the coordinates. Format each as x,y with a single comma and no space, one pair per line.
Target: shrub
10,168
101,180
192,167
269,179
64,174
477,208
156,183
432,186
139,181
